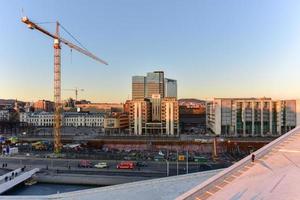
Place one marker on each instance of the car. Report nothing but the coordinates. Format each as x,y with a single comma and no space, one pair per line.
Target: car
126,165
101,165
141,164
85,164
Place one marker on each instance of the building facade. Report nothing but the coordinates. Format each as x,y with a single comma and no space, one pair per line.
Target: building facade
139,115
116,123
170,88
138,87
152,84
4,115
74,119
250,116
44,105
156,116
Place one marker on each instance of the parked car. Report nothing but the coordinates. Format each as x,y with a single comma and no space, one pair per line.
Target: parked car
101,165
126,165
85,164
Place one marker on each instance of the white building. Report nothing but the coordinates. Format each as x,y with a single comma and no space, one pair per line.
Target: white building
251,116
74,119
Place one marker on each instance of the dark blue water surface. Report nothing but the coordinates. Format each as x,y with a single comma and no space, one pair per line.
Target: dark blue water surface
45,189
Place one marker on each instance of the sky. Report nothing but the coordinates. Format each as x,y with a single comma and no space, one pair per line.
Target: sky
213,48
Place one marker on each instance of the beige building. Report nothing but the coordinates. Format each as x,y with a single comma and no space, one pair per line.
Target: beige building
154,116
116,123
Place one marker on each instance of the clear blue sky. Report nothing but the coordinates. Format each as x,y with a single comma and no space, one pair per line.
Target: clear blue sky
231,48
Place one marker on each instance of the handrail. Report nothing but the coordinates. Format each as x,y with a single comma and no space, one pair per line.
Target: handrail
228,171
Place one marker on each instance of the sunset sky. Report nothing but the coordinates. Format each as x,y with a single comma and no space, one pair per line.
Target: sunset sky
214,48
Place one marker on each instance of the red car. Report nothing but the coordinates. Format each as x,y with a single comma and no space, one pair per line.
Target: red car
126,165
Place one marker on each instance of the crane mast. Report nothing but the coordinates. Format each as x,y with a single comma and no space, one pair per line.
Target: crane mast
57,75
57,92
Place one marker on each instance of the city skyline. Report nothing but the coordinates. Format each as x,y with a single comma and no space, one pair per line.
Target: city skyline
232,49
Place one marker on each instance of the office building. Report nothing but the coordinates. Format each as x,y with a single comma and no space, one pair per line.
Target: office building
155,116
250,116
138,87
152,84
170,88
139,115
155,84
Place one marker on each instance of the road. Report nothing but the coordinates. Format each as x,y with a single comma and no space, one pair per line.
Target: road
153,169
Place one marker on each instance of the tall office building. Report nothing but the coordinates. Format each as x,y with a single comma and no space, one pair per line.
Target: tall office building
251,116
170,88
153,83
138,87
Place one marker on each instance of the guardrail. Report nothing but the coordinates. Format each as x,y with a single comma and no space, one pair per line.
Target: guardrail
204,186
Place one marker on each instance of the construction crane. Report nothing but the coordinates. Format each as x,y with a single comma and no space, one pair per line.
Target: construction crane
57,74
76,90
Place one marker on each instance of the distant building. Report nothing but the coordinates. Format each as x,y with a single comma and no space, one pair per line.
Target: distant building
116,123
251,116
154,116
101,107
74,119
44,105
152,84
155,84
138,87
170,88
4,115
192,116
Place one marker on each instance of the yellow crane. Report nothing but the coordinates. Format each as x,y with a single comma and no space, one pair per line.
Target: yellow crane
76,90
57,73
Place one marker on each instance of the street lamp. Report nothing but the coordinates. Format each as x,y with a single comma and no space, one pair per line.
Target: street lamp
167,162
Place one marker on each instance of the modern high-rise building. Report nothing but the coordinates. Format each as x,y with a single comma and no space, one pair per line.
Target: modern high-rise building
170,88
154,107
155,84
250,116
138,87
152,84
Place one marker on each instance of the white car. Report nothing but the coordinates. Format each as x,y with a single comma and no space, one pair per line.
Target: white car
101,165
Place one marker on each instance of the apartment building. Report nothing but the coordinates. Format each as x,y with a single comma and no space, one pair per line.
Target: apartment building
250,116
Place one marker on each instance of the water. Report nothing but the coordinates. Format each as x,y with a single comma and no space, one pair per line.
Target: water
45,189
